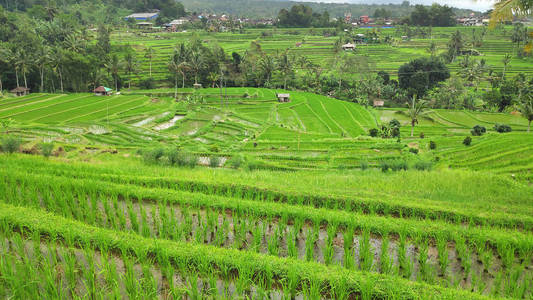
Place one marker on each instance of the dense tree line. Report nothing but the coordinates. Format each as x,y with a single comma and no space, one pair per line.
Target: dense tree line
301,15
436,15
47,8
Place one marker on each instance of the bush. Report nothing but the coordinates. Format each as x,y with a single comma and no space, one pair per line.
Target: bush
467,141
478,130
422,165
373,132
502,128
10,144
153,156
236,161
214,161
46,149
394,123
364,165
398,165
191,160
432,145
413,150
422,135
147,84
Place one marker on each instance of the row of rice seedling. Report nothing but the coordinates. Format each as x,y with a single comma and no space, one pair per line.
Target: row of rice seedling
362,205
245,268
153,221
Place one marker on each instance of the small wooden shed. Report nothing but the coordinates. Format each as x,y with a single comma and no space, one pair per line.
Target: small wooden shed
378,103
348,46
20,91
197,85
102,91
283,97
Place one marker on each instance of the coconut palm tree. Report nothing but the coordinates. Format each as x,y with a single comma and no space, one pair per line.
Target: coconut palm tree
42,61
56,62
196,63
506,60
130,66
113,66
526,107
414,111
149,54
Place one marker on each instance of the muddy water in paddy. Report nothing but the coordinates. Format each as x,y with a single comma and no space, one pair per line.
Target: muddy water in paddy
229,226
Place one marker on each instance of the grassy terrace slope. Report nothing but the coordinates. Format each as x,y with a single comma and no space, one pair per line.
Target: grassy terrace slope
319,49
310,132
439,234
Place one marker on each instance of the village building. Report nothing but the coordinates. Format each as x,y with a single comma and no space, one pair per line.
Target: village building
348,47
283,97
378,103
20,91
102,91
145,25
147,16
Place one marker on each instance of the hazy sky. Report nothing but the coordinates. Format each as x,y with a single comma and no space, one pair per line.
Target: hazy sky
480,5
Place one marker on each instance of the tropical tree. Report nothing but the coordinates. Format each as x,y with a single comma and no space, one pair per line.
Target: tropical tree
455,45
149,54
505,10
432,49
213,77
526,106
56,62
176,66
5,124
114,66
196,63
285,65
42,61
267,66
414,111
506,60
130,66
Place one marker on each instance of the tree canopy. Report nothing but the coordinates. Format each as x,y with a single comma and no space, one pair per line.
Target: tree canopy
421,75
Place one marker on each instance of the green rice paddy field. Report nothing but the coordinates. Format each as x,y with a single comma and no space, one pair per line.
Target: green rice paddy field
320,49
313,223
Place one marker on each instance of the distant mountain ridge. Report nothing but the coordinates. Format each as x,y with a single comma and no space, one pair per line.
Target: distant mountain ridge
270,8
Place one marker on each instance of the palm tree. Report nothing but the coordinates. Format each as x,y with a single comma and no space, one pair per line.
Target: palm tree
213,77
22,62
113,66
414,111
505,10
149,54
267,66
455,45
42,60
432,49
196,63
130,66
56,62
285,65
526,107
5,57
177,66
506,60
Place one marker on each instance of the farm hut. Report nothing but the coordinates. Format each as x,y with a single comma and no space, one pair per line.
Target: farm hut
283,97
20,91
197,85
378,103
348,46
144,25
102,91
143,16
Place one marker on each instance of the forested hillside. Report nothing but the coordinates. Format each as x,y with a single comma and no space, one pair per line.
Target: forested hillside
270,8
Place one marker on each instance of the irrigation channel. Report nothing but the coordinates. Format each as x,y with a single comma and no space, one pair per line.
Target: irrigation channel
461,261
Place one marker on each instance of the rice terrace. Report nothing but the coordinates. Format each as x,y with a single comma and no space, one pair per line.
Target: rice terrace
245,149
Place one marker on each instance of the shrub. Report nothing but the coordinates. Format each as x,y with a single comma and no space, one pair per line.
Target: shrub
147,84
384,166
10,144
236,161
394,123
502,128
214,148
413,150
191,160
214,161
423,165
364,165
422,135
373,132
432,145
398,165
46,149
174,156
478,130
153,156
467,141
